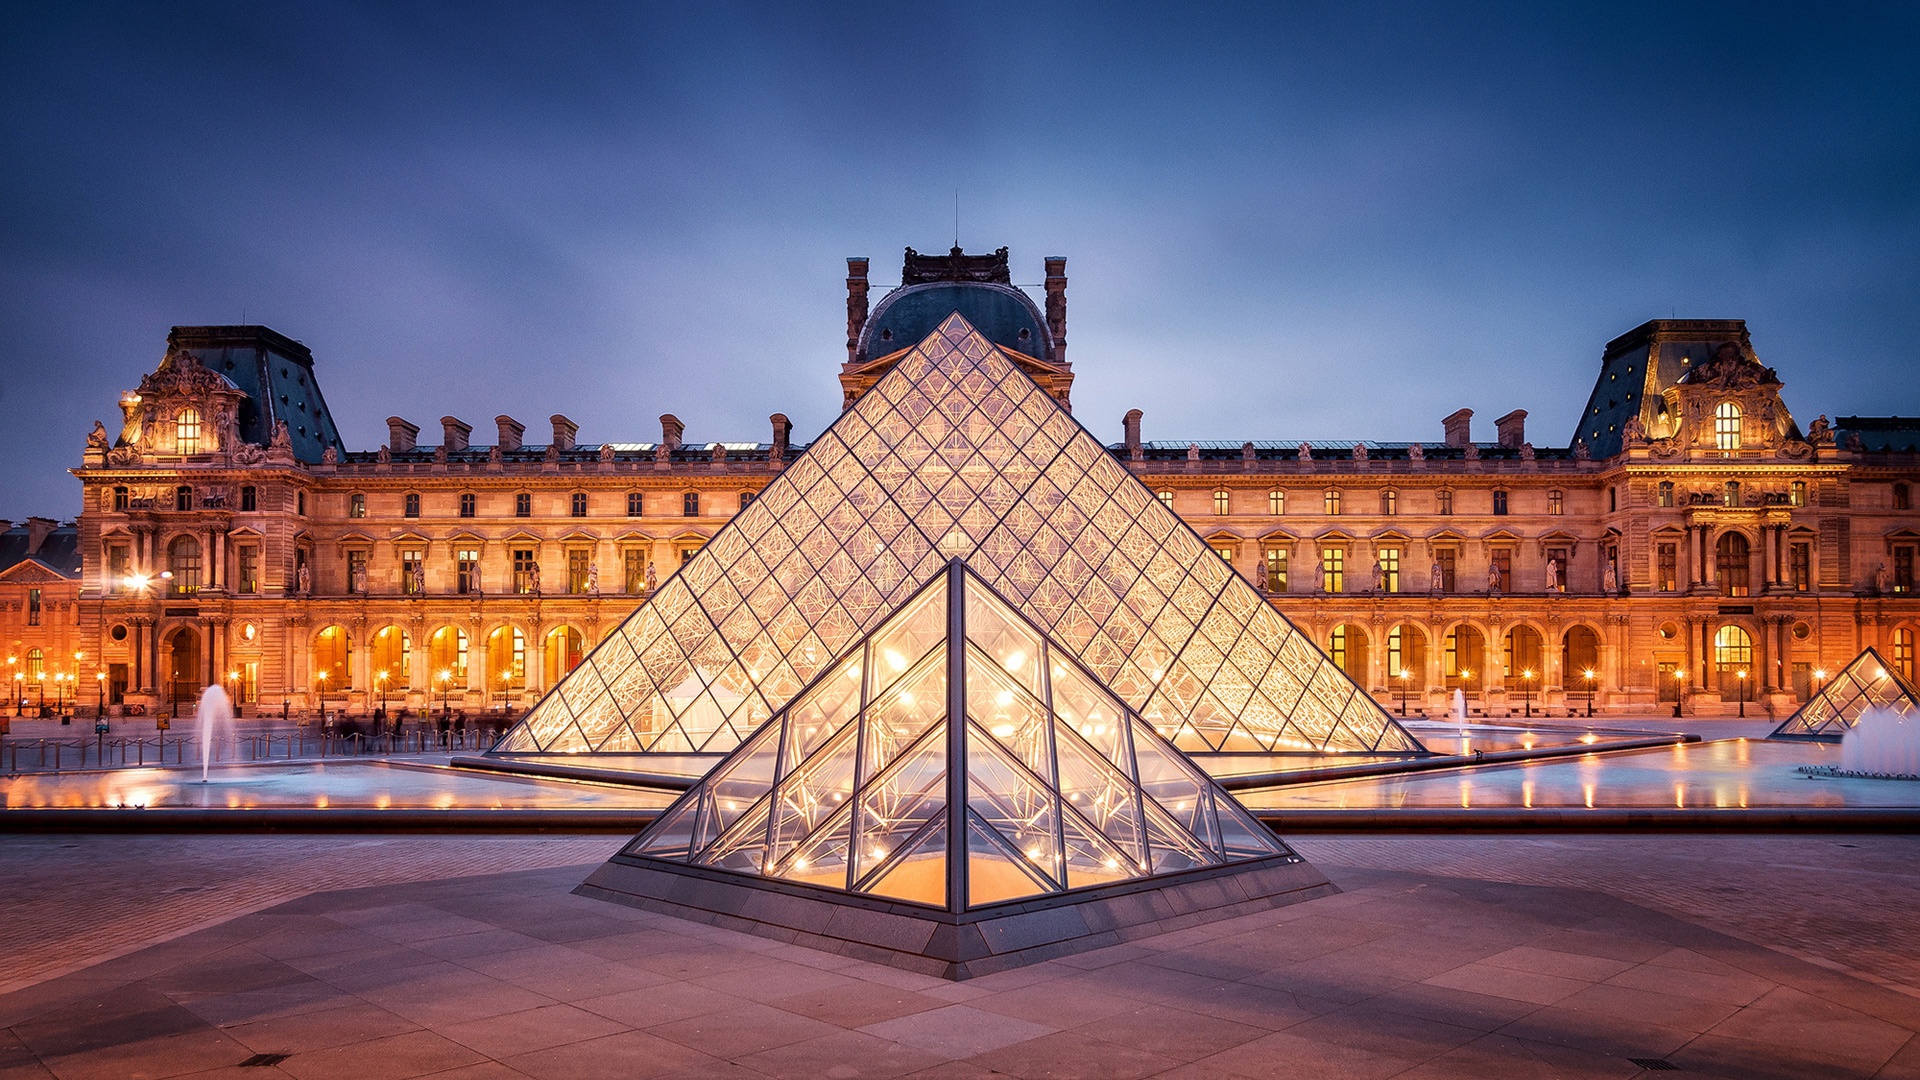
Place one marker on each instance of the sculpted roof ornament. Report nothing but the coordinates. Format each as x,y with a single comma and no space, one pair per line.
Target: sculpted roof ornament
1731,369
955,265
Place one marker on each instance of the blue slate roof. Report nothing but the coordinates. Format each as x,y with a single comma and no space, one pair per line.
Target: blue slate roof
1639,365
1879,432
1001,313
59,550
276,374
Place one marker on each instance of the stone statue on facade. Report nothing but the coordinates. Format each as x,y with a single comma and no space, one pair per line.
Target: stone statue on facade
330,456
1193,451
97,438
653,578
593,579
303,579
1855,443
1554,584
533,578
1436,580
282,441
1820,431
1325,574
552,456
606,453
383,456
1306,451
1260,576
1360,453
419,577
1634,431
1882,581
1379,578
1526,451
1610,579
1493,579
1416,452
1581,453
1473,452
473,580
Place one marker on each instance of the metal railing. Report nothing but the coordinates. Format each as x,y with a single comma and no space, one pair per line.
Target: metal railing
59,754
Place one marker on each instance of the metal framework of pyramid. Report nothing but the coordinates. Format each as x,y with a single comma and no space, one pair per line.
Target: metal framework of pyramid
955,453
1867,682
974,792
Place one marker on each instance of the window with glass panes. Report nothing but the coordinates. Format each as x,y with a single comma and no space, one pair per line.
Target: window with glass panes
249,498
690,504
118,569
467,503
633,572
1667,567
1389,568
1165,497
1335,561
1903,569
1443,502
1731,495
356,505
1277,569
410,561
579,507
523,570
1389,502
1446,557
1556,502
34,604
746,499
357,572
1330,502
523,504
578,560
1225,551
466,562
1903,653
1499,502
1797,493
1666,493
1726,426
1222,502
634,504
1276,503
1800,566
411,504
247,562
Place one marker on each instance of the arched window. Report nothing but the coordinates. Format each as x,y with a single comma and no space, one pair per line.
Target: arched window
1579,654
1222,502
1903,653
507,659
1666,493
1407,654
36,665
1726,426
1276,503
1347,648
1732,650
330,649
183,562
1332,501
1523,655
564,648
447,653
186,432
1731,556
1389,503
392,659
1465,652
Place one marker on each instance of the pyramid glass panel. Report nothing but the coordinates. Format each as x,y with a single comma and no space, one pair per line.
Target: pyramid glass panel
955,453
1867,682
1059,789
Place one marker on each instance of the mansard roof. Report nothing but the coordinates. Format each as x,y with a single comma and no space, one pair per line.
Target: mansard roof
276,374
57,550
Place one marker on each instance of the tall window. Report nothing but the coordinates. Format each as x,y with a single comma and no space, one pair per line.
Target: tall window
1331,502
1731,495
186,432
412,504
1389,502
249,498
1800,566
523,570
746,499
1902,497
1903,653
119,568
1499,502
411,561
356,505
391,658
1797,493
1556,501
1731,564
1337,647
1277,569
467,502
356,571
1726,426
300,504
1732,650
1165,497
690,504
1443,502
36,665
183,497
466,563
1903,569
634,503
1222,502
1445,557
579,507
447,653
122,495
1276,503
1336,563
634,563
1667,557
247,562
34,604
577,562
1389,568
522,504
1503,566
183,561
1666,493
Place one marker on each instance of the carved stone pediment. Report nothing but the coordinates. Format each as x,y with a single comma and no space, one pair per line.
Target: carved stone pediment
125,457
1732,369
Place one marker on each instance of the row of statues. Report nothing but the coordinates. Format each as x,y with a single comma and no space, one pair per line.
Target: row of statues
417,579
1436,578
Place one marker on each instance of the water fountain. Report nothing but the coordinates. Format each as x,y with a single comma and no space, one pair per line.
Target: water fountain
215,710
1459,706
1882,745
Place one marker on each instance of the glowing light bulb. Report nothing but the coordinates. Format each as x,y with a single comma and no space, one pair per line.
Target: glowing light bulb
1113,864
799,864
895,660
1016,660
1033,853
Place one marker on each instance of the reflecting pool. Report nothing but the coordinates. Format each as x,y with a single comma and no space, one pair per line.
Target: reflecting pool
334,784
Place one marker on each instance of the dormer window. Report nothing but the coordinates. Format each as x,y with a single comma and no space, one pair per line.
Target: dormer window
186,432
1726,426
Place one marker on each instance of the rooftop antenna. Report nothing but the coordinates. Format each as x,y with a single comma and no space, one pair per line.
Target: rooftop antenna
956,217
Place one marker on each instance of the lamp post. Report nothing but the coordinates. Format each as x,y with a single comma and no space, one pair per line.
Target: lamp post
446,691
1526,691
100,694
78,658
41,695
382,680
1819,680
233,691
1588,675
13,669
1743,693
322,679
1404,675
1679,690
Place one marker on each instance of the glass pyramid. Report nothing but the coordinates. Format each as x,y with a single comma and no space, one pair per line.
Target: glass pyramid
956,758
1868,682
955,453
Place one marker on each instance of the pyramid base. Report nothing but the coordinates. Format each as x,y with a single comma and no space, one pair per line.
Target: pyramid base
948,945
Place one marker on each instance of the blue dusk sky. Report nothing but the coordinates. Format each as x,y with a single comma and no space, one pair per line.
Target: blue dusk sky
1282,221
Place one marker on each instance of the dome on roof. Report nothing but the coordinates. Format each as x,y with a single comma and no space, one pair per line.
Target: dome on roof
1001,313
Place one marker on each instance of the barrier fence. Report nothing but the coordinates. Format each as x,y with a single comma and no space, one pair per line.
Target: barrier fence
32,755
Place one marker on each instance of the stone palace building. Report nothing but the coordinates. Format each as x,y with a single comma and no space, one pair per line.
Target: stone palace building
1691,539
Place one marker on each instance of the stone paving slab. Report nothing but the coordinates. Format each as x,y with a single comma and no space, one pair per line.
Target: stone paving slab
1404,974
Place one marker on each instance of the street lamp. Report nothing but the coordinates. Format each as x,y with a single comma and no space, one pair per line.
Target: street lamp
100,694
1526,691
13,667
322,678
1743,693
382,680
1588,675
1679,690
446,690
42,695
1819,680
1404,675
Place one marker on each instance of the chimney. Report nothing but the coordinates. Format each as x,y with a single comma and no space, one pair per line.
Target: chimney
563,431
511,431
782,432
1057,305
401,435
856,304
1459,428
1131,424
454,433
1512,428
38,529
670,431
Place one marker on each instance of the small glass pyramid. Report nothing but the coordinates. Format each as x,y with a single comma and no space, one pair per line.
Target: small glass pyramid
956,758
1867,682
955,453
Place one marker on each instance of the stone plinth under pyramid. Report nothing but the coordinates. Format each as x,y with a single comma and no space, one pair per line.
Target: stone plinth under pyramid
1867,682
956,794
955,453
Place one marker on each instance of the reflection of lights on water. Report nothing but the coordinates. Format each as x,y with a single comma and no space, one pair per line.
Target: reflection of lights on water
1588,789
1526,794
1680,796
1589,738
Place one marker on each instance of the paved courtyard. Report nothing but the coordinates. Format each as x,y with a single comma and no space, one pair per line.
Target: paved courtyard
1432,963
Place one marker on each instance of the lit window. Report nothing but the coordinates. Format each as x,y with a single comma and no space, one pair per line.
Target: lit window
1903,653
1335,562
1166,499
1389,502
633,563
410,562
1225,551
186,432
1731,495
1726,426
356,571
466,563
413,504
466,504
1800,567
1733,559
34,607
183,562
1666,493
1276,569
522,504
1276,503
578,561
1797,493
356,505
1221,502
1331,501
1555,502
1337,647
1499,502
1389,569
579,504
523,564
690,504
1732,649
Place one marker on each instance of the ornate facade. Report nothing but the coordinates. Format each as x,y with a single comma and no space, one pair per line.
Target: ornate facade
1690,531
